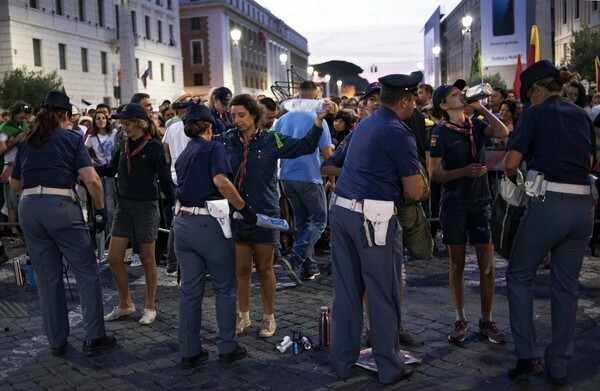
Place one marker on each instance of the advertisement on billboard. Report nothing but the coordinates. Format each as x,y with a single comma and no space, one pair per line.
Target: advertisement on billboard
431,38
503,31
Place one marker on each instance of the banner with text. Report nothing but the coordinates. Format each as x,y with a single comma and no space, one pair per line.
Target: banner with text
503,31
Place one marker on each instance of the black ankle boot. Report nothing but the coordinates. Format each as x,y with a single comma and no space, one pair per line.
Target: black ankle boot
525,368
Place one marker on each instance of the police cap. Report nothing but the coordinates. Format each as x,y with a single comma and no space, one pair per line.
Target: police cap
57,100
536,72
402,82
198,113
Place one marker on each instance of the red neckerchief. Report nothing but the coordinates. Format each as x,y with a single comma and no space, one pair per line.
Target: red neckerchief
468,131
223,118
129,155
242,170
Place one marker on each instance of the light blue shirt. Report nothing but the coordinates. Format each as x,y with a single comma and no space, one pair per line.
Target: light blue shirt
304,168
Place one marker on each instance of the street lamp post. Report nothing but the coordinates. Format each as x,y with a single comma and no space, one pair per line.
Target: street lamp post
436,50
327,78
339,86
309,71
283,60
236,35
466,31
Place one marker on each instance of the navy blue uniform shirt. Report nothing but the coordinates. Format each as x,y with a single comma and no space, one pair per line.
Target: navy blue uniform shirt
147,166
259,189
382,151
556,137
223,122
55,164
455,150
198,164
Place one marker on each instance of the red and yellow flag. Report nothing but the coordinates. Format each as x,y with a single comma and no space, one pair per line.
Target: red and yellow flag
517,81
533,55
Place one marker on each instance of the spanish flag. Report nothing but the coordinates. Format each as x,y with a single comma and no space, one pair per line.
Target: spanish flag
597,68
533,55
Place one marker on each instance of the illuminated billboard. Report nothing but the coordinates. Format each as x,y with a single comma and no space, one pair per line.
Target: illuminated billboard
504,31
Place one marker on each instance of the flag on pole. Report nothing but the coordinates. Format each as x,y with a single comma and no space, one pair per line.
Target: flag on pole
533,55
597,68
517,81
476,64
145,77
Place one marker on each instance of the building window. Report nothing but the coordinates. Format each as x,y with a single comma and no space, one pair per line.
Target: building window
101,13
172,41
150,69
198,79
117,21
134,24
147,25
594,6
564,12
137,66
84,60
159,31
33,3
59,7
575,9
162,72
173,73
81,9
37,52
62,56
103,63
196,48
195,23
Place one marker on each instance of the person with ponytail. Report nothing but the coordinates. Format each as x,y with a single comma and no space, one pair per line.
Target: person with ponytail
47,165
139,162
201,245
556,138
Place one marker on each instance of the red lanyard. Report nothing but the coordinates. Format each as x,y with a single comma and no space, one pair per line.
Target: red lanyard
129,155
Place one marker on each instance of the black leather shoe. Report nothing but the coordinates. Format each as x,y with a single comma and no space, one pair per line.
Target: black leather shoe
408,372
59,351
99,345
525,368
191,362
559,381
239,353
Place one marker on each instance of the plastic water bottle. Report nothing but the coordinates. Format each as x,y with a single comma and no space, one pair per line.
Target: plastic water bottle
324,327
304,105
30,274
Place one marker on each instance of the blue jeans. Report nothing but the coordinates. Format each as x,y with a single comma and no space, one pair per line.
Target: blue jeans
310,215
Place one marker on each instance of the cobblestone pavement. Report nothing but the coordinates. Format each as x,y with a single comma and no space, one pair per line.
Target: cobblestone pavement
146,357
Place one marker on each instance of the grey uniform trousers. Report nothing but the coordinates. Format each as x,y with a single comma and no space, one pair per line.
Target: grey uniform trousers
377,269
202,248
53,226
561,224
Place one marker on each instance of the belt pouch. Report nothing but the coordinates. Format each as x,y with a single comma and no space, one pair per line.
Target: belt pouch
534,183
219,209
378,213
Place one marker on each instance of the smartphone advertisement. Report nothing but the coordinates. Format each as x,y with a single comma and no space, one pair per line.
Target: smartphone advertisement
503,31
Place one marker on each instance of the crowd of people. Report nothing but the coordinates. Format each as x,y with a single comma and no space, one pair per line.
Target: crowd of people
398,171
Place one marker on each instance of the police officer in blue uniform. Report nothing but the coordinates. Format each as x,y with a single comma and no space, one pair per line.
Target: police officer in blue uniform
46,166
555,137
381,170
200,242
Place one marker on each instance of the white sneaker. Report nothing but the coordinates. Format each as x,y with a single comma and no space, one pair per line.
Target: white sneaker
118,312
148,316
135,260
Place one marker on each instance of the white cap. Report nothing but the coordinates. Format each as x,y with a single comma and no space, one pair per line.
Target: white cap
74,110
